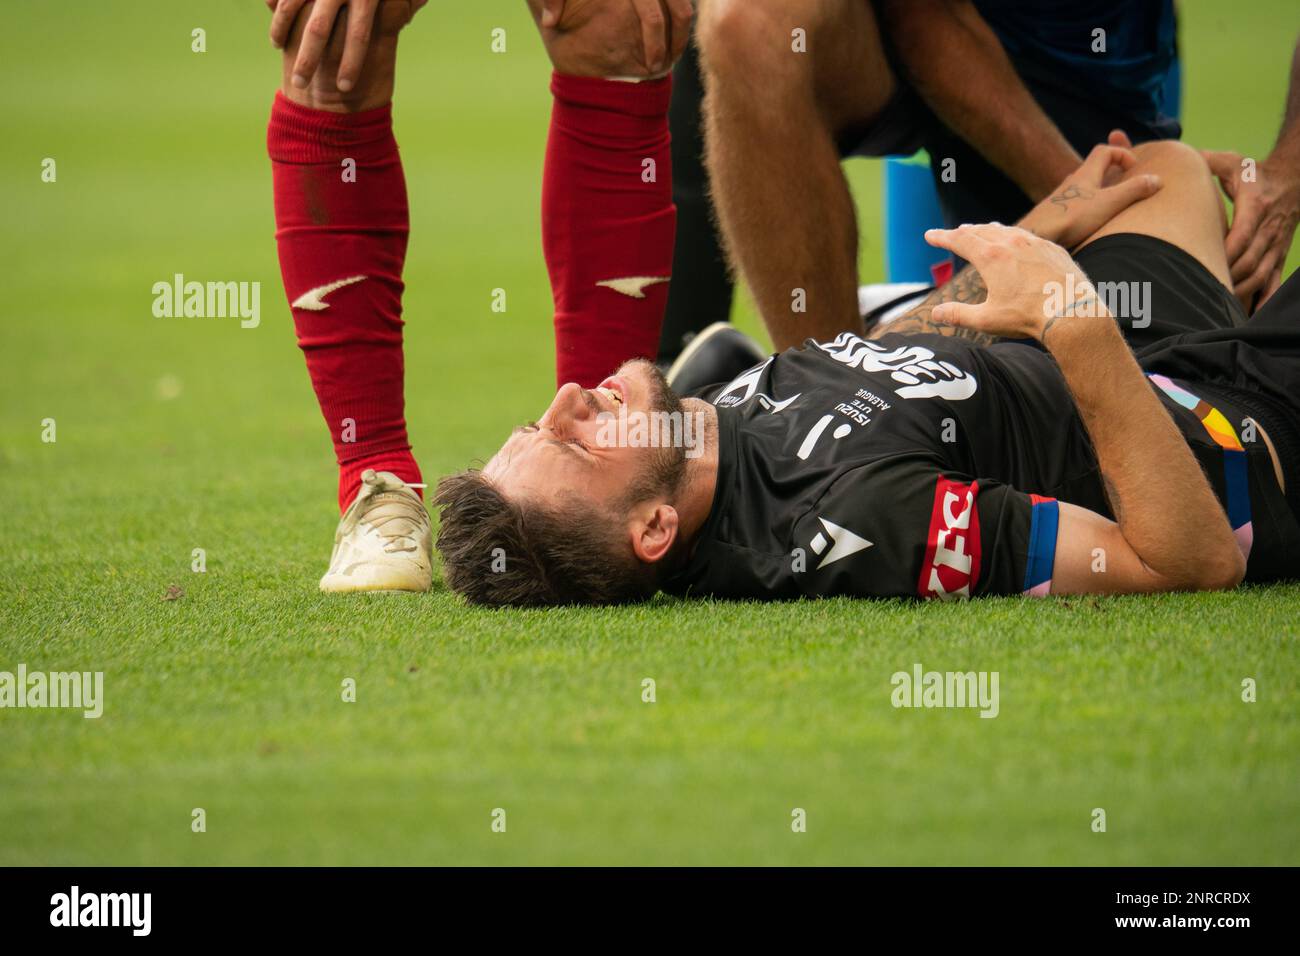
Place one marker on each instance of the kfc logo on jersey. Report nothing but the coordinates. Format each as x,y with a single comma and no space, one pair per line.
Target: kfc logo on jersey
952,547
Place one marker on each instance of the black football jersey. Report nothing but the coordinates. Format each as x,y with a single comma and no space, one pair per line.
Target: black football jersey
926,466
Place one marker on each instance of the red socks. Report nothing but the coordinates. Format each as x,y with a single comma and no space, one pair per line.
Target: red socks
341,227
608,222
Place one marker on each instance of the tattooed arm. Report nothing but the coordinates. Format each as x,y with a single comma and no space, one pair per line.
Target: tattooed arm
966,287
1070,214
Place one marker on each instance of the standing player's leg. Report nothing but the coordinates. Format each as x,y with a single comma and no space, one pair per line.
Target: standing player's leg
701,291
341,229
782,78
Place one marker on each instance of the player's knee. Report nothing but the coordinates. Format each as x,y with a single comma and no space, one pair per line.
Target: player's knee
1186,175
1171,157
747,37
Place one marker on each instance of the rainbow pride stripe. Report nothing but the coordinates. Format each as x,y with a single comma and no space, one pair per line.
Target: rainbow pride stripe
1235,475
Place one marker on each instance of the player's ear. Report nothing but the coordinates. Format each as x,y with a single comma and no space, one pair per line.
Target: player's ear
653,532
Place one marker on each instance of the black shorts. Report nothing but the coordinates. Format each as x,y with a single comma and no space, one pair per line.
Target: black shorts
1193,329
1199,334
1155,290
980,192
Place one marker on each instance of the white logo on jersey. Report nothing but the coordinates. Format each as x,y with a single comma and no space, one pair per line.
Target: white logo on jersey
814,433
912,366
746,385
843,543
772,405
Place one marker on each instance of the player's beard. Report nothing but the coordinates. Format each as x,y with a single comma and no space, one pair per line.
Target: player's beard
665,467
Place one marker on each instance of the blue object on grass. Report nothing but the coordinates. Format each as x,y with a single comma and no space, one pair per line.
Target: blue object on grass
911,207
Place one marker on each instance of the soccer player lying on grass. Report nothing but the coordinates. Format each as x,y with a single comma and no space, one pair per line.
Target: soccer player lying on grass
992,442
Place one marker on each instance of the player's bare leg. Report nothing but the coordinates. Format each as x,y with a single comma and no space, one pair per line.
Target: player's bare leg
1188,212
374,85
781,78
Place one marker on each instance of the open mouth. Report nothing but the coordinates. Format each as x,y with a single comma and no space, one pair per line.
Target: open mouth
612,389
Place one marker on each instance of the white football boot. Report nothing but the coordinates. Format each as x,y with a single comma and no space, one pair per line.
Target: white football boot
383,542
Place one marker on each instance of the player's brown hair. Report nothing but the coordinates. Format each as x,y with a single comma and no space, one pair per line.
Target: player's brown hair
499,552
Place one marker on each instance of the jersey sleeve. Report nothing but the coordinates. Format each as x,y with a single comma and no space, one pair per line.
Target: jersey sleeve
918,531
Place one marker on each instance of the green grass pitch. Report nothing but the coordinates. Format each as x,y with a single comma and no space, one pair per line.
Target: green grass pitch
175,434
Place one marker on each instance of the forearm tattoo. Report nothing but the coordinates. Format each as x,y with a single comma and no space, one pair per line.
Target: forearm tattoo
1086,303
966,287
